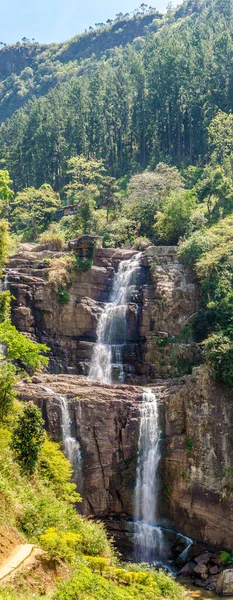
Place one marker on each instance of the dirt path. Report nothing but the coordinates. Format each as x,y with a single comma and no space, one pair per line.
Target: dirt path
17,559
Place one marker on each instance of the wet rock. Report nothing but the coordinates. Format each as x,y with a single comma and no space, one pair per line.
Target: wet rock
196,550
188,569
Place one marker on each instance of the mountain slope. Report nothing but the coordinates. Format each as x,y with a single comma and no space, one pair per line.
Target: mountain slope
130,104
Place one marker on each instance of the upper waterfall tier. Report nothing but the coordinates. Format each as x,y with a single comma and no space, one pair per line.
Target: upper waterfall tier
112,325
153,318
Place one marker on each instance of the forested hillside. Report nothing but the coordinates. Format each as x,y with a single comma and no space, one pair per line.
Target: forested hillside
133,93
132,123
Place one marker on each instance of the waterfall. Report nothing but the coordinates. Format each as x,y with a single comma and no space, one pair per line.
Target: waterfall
148,537
70,443
112,325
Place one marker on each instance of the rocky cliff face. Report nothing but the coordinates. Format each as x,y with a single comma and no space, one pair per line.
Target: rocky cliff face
159,313
197,460
196,414
105,422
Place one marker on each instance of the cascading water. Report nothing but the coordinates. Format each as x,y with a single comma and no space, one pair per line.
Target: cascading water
112,325
148,537
70,443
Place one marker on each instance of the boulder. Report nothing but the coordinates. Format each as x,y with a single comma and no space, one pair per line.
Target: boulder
188,569
224,585
201,570
203,558
214,570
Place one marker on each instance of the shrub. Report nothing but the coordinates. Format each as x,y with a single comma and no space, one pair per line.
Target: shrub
97,564
63,296
61,272
27,353
27,438
53,239
119,232
189,444
94,541
192,249
138,242
5,305
219,352
145,586
84,264
60,544
56,468
227,558
4,243
7,393
173,221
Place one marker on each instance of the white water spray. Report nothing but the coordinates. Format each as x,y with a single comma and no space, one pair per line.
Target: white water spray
111,330
148,537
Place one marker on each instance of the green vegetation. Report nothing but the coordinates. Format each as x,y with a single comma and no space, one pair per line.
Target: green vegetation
189,444
84,263
227,558
63,296
4,244
27,438
118,584
32,210
131,125
20,349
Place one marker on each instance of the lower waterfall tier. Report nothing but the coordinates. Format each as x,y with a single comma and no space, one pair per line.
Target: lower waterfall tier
196,464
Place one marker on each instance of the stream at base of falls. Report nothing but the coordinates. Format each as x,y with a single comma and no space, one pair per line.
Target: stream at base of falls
200,594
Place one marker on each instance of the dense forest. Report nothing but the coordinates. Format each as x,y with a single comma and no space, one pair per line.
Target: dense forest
139,134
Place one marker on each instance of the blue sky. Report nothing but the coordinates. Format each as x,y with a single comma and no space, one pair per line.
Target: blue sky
58,20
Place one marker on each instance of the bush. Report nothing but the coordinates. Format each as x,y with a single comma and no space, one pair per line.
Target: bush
53,239
131,585
97,564
5,305
27,438
219,352
119,232
84,264
63,296
4,243
60,545
192,249
61,273
7,393
227,558
21,349
56,469
139,241
173,221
